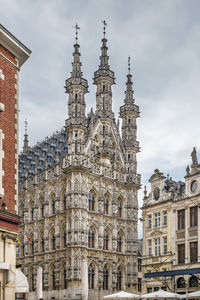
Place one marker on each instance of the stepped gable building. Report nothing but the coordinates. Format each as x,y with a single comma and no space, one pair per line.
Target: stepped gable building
78,194
13,54
171,232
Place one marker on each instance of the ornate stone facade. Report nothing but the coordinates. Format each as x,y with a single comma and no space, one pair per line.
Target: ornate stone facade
171,232
78,194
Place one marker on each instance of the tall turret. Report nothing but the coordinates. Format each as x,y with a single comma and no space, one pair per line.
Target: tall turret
76,86
129,112
104,78
26,146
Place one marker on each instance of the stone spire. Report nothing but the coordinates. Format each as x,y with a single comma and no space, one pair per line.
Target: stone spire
129,98
26,146
76,86
129,112
104,78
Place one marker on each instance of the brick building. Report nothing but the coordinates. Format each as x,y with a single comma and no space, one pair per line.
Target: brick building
12,56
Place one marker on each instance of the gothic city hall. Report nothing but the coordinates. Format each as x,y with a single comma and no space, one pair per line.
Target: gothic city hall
78,193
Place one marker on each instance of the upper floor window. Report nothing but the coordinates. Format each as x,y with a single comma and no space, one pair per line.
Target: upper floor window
193,216
150,247
119,208
91,238
105,278
181,254
106,205
149,221
91,201
164,217
119,243
91,277
119,279
157,246
53,279
164,245
181,283
181,219
157,219
194,252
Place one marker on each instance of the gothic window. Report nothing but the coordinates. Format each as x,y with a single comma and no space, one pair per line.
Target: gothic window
91,238
53,275
181,283
31,212
119,242
53,206
42,244
139,284
64,203
65,277
119,208
181,219
181,254
105,240
106,205
105,278
193,252
75,110
193,282
63,238
75,97
129,156
91,277
193,216
103,88
91,201
119,280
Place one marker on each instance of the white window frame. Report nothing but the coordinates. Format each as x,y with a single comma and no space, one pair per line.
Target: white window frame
157,219
157,246
149,247
164,217
149,221
165,245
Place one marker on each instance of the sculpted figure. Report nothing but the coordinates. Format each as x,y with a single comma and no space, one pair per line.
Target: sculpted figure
194,156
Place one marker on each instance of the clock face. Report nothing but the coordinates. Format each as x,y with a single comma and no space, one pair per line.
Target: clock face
156,193
193,186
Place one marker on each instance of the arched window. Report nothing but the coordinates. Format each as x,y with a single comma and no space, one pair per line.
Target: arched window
103,88
91,201
53,206
31,212
65,277
75,96
64,203
91,277
91,238
119,242
119,208
193,282
63,238
53,275
105,240
105,278
42,244
119,280
181,283
106,205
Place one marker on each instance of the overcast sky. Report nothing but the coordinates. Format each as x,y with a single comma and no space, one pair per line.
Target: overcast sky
161,36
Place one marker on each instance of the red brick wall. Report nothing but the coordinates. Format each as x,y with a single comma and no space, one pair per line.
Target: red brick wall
8,124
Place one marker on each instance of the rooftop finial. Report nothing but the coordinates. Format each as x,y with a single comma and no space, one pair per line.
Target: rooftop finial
129,64
26,146
77,28
104,28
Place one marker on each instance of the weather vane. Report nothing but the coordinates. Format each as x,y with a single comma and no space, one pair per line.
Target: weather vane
26,124
129,64
104,27
77,28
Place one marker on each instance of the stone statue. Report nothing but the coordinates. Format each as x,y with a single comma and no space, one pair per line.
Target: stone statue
194,156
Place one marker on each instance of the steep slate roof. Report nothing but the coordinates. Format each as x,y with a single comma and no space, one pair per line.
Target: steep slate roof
44,154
